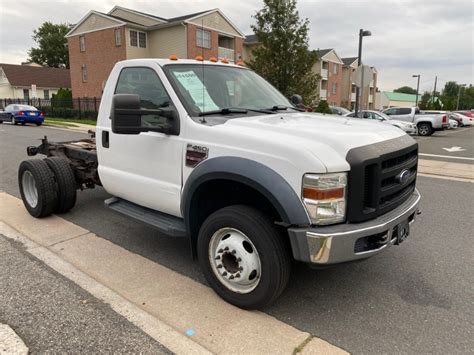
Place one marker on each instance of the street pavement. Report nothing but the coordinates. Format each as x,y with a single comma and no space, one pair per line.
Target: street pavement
415,298
52,314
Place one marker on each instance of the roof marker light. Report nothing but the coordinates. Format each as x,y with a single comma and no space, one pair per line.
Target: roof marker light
199,58
173,57
213,59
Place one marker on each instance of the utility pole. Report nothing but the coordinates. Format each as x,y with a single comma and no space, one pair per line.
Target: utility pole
362,34
417,87
459,95
434,90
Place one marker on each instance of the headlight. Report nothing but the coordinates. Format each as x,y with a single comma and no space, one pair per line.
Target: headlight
324,196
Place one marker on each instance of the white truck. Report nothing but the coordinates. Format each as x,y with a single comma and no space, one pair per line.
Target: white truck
427,122
211,152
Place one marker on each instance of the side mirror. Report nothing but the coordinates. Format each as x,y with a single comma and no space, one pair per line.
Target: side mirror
296,100
127,116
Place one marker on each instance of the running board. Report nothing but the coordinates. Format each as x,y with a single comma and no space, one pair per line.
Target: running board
170,225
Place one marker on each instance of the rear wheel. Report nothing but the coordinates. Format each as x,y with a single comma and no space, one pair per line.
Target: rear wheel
243,256
65,183
425,129
14,120
37,188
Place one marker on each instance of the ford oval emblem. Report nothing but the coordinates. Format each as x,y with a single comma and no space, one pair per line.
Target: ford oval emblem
403,177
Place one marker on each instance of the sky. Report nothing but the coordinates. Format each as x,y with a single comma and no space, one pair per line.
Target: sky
430,38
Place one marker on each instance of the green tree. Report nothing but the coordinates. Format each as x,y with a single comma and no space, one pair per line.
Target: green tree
425,100
405,90
451,89
323,107
52,50
283,56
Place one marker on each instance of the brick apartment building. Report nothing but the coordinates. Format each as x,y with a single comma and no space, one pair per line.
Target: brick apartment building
100,40
336,85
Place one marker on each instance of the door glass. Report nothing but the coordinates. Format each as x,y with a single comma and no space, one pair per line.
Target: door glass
145,83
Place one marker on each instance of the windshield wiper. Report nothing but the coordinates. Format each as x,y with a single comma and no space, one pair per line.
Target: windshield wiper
230,110
283,108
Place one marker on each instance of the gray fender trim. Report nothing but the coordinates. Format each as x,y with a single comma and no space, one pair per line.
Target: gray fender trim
256,175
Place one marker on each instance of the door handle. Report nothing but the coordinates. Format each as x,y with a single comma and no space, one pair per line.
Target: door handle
105,139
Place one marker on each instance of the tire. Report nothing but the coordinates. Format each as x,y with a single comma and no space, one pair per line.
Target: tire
425,129
39,123
37,188
65,182
23,123
264,243
1,122
14,122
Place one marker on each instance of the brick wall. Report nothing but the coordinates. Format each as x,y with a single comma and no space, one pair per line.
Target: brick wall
194,50
334,99
100,56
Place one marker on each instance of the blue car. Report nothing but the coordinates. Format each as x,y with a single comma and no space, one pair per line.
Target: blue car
16,113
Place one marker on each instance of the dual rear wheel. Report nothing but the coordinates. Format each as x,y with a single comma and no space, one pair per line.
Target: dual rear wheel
47,186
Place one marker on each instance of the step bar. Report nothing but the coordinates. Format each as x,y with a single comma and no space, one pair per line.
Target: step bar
165,223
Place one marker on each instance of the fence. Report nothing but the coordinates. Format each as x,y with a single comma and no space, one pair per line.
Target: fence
76,108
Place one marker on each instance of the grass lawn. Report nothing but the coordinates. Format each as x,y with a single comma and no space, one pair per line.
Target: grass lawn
69,121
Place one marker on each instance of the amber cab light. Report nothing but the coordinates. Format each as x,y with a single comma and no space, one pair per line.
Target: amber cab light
173,57
199,58
323,194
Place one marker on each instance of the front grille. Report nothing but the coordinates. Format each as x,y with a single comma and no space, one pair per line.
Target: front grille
382,176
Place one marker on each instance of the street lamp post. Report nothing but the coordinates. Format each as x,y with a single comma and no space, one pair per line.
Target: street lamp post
362,34
459,95
417,87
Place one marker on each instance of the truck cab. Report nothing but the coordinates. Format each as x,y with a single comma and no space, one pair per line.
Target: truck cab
210,151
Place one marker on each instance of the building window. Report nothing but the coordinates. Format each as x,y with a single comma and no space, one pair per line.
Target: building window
137,39
118,37
26,94
334,68
203,38
334,88
46,94
84,73
82,43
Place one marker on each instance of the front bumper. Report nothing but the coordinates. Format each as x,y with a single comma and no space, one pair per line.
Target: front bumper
352,241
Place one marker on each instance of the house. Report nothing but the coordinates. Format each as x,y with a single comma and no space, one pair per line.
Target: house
349,88
329,67
31,81
388,99
100,40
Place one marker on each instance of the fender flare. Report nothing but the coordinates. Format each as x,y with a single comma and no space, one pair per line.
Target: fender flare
256,175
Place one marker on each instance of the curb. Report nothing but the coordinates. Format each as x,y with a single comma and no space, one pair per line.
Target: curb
10,342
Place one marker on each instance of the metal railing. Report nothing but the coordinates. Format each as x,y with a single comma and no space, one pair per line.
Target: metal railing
75,108
226,53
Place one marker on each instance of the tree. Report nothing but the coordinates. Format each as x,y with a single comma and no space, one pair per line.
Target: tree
405,90
52,50
425,101
323,107
283,56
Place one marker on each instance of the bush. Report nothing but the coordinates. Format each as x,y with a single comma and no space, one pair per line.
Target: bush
323,107
65,112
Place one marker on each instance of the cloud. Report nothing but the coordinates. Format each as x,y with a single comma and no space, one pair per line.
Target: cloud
408,36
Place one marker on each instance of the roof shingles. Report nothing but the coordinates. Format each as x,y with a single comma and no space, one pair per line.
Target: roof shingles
44,77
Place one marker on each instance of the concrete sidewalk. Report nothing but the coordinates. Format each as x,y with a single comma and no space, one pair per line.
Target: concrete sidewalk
439,168
182,314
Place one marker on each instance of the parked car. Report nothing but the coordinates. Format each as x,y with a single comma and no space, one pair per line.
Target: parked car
16,113
463,120
260,183
426,123
341,111
466,113
453,123
407,127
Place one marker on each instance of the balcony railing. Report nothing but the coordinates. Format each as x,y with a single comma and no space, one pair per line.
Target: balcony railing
324,73
353,96
226,53
371,98
323,94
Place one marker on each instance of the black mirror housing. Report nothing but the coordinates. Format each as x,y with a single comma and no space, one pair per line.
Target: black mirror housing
127,115
296,100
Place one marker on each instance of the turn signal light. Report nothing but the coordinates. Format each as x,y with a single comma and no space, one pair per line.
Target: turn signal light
326,194
173,57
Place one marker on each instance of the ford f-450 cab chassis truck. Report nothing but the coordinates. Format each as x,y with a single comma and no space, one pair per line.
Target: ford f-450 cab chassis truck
210,151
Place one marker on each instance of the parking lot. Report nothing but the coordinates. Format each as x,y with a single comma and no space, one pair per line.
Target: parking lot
416,297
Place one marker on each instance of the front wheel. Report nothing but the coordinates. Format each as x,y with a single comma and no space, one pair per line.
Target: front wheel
425,129
243,256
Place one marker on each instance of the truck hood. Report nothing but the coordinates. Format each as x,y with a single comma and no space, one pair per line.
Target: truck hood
328,137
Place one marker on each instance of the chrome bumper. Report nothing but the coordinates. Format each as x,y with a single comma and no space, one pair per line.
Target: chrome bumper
339,243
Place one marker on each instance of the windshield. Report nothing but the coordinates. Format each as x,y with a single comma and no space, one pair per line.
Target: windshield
384,116
206,88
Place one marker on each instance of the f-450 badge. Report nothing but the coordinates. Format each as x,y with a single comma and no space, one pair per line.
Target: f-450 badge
195,154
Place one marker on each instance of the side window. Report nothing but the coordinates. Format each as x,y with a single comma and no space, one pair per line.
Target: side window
403,111
390,111
145,83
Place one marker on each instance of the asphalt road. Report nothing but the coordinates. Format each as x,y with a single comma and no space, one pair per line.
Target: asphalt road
415,298
455,146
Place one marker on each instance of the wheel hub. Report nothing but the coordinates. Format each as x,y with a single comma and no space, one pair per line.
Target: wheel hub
234,260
